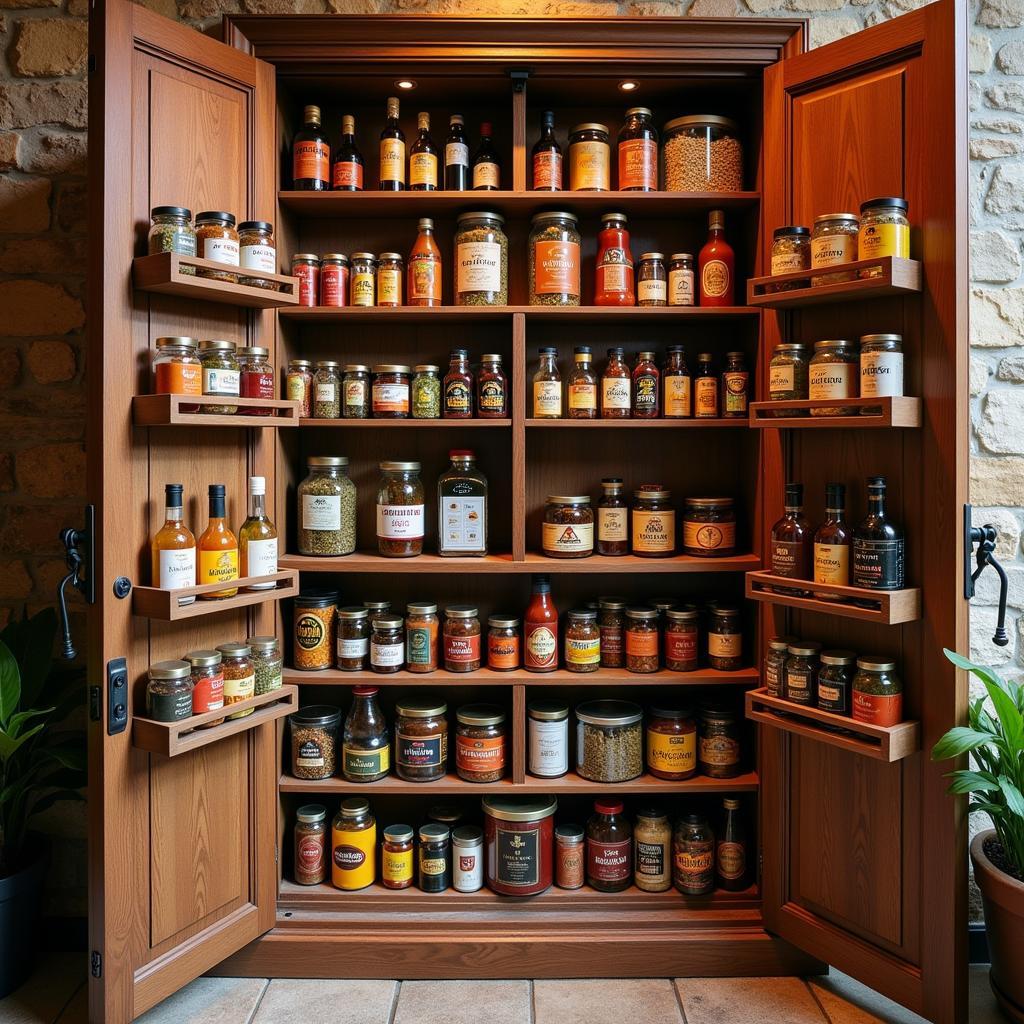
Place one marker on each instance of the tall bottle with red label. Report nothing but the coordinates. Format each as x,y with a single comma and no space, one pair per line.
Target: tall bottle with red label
540,629
547,157
311,155
716,264
638,152
613,281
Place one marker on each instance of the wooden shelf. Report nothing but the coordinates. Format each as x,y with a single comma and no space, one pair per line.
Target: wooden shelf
899,276
161,273
173,738
157,603
891,743
476,423
662,424
892,412
488,677
452,785
166,411
371,563
889,607
577,314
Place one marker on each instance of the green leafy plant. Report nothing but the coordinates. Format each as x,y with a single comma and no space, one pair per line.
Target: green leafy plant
40,763
995,743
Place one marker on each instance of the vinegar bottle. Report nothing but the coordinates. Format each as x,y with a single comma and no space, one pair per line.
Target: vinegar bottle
218,548
423,158
258,537
716,264
456,156
311,155
174,548
486,169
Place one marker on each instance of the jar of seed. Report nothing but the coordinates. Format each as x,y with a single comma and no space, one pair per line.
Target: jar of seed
327,508
641,640
426,392
169,691
327,390
299,386
791,251
609,740
788,376
702,153
314,630
355,392
833,243
353,645
884,231
267,663
582,641
363,280
833,372
314,735
221,375
171,231
239,676
217,240
555,260
651,280
481,260
257,251
390,273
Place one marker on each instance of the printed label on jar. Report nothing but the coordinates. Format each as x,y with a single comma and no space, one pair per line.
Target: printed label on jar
674,754
310,755
517,857
589,166
485,175
677,396
800,685
787,263
650,859
615,393
830,250
223,250
432,865
583,396
492,396
458,397
483,755
568,537
352,649
549,748
456,154
547,170
208,694
261,559
878,564
177,569
781,379
348,858
831,380
735,389
348,175
308,276
652,291
878,240
706,397
423,169
719,751
462,649
478,267
583,652
881,374
788,558
830,698
612,524
310,160
725,645
681,645
541,646
386,655
556,268
654,531
355,394
358,763
715,280
236,690
732,861
645,392
425,280
612,639
400,522
641,643
773,676
832,564
257,385
173,378
325,391
392,160
218,566
259,257
310,856
878,709
694,866
613,271
462,523
221,382
295,387
389,287
547,398
310,632
321,512
609,862
709,536
638,164
503,652
183,243
420,751
391,398
417,645
680,287
362,288
397,867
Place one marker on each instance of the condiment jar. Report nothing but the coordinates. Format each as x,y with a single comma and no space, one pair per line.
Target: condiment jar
217,240
718,743
426,392
709,527
353,845
884,231
481,260
310,834
671,743
791,251
299,386
171,231
421,739
877,691
467,859
387,644
570,868
207,684
881,368
833,243
397,857
462,647
725,639
365,747
609,848
480,743
306,267
554,259
654,522
353,643
676,385
682,647
314,631
775,665
314,741
169,691
390,273
652,850
491,388
568,530
547,739
582,641
390,396
334,275
802,673
693,856
434,864
267,663
363,279
327,390
832,373
788,376
735,386
835,678
651,280
612,622
642,640
589,158
400,510
239,676
177,370
638,152
256,378
680,280
503,643
612,519
257,251
221,375
355,392
421,637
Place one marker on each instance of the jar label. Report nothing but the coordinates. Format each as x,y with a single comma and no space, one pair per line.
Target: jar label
310,160
462,650
569,865
223,250
221,382
645,392
609,862
547,170
800,684
681,645
638,164
831,698
310,755
334,286
359,763
308,275
458,398
677,395
481,755
652,291
781,380
392,398
788,262
348,175
589,166
296,387
492,396
353,855
257,384
878,564
878,240
456,154
650,859
208,693
877,708
709,536
321,512
734,388
831,380
517,857
547,398
680,287
259,257
387,655
612,524
309,854
478,267
773,676
486,175
462,523
541,646
389,287
732,861
614,272
261,559
583,396
468,871
715,280
611,644
830,250
325,391
358,647
549,748
706,397
672,753
177,569
392,160
362,287
615,392
568,537
556,268
310,632
789,558
654,531
418,643
397,866
424,278
180,241
720,751
240,689
694,866
175,378
725,645
420,751
423,169
355,394
400,522
433,865
832,564
503,651
641,643
881,374
218,566
583,652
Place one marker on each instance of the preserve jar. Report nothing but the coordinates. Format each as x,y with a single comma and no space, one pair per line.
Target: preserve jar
680,280
306,267
881,369
693,856
396,857
171,231
651,280
568,530
609,848
582,641
353,845
547,739
788,376
462,638
267,663
589,158
257,250
435,869
676,385
613,279
390,272
638,152
481,260
641,640
832,373
654,522
314,741
363,279
709,527
682,646
652,850
554,259
802,673
480,743
570,857
177,369
257,378
314,626
791,252
884,231
609,740
365,741
400,510
334,275
207,684
702,153
310,835
387,644
353,643
457,387
491,388
835,681
877,691
221,375
298,386
421,637
775,665
327,390
833,243
426,392
725,638
612,622
169,691
390,395
467,859
671,743
503,643
519,839
239,676
718,743
217,240
327,508
421,739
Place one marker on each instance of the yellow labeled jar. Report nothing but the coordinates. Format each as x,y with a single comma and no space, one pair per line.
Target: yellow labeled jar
353,845
396,857
654,522
589,158
884,231
671,743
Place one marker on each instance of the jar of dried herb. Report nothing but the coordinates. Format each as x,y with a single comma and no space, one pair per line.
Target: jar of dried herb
481,260
327,390
314,735
791,251
426,392
641,640
355,392
221,375
609,740
217,240
555,259
788,376
299,386
171,231
267,662
257,251
833,243
400,510
327,508
353,645
582,641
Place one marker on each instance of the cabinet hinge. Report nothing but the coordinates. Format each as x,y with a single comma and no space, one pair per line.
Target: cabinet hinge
96,963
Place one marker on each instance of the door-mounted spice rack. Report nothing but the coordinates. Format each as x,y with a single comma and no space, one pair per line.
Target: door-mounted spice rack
179,411
173,738
897,276
166,605
663,424
887,607
881,743
862,412
163,273
406,424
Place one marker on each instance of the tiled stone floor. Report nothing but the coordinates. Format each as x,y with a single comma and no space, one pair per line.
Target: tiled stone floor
56,995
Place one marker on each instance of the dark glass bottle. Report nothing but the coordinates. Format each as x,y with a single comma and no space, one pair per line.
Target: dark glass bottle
423,158
486,166
832,540
677,398
547,157
735,386
878,545
311,154
705,388
731,848
457,393
791,540
646,387
347,172
456,156
615,387
392,151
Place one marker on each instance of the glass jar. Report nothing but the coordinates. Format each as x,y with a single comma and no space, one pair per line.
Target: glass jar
613,274
802,673
462,507
582,641
355,392
671,743
221,375
833,373
400,510
387,644
314,741
676,385
651,280
652,851
638,152
609,740
267,662
503,654
725,638
709,527
791,252
702,153
877,691
169,691
217,240
884,231
462,644
641,640
775,665
239,676
547,739
171,231
589,158
480,743
421,739
397,857
833,243
207,684
390,272
554,260
491,388
735,386
881,369
353,643
520,840
363,279
570,857
568,530
327,508
616,393
327,390
310,835
547,386
177,369
612,519
481,260
426,392
390,397
612,622
298,386
609,848
693,856
788,376
257,251
334,276
435,869
314,628
365,743
421,637
467,859
646,387
718,743
353,846
682,639
680,280
654,522
256,378
457,387
835,681
306,267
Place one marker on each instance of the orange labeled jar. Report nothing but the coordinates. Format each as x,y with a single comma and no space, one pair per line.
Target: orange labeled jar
638,152
877,692
671,743
709,527
461,638
725,639
555,260
642,640
589,158
503,643
390,391
480,747
654,522
681,639
177,369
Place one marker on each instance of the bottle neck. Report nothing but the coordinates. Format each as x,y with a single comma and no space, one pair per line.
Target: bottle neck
216,509
876,505
173,514
794,511
257,506
835,514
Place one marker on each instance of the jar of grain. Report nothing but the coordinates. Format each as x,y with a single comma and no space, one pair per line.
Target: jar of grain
791,251
884,231
589,158
217,240
314,630
788,376
327,508
171,231
832,373
555,260
481,260
327,390
833,243
702,153
221,375
257,251
609,740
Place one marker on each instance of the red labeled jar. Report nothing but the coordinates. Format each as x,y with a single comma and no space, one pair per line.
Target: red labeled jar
256,379
613,281
609,848
207,683
334,270
462,638
306,267
519,838
877,691
682,648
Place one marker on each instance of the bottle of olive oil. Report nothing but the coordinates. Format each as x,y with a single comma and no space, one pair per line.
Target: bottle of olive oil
218,548
257,539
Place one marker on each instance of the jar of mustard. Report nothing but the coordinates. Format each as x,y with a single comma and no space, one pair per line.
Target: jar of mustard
353,845
671,743
884,231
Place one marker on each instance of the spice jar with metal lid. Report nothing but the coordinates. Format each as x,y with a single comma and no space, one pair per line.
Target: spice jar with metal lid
641,640
177,370
652,850
298,386
693,856
467,859
306,267
835,679
390,396
671,743
833,243
377,607
421,637
582,641
791,251
426,392
314,630
171,231
554,259
390,273
334,275
582,404
654,522
169,691
547,747
884,231
239,676
570,867
257,251
481,260
651,280
462,644
775,665
327,390
877,691
568,530
491,388
589,158
503,643
680,279
217,240
421,739
480,743
267,662
788,376
725,638
221,375
709,527
365,744
435,869
802,673
256,378
397,857
207,683
327,508
310,835
400,507
612,623
609,848
682,646
638,152
363,279
718,743
355,392
353,845
702,153
612,519
353,644
832,373
387,644
609,740
881,369
519,840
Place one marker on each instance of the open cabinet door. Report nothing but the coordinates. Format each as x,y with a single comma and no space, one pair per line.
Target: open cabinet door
182,849
865,860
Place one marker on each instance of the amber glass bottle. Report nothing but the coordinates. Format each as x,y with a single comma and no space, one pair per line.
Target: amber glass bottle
218,548
582,386
791,539
705,388
676,385
311,155
486,167
347,171
392,151
832,540
423,158
646,387
174,548
731,848
615,387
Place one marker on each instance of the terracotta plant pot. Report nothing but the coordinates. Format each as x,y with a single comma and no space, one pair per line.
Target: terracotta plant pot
1003,899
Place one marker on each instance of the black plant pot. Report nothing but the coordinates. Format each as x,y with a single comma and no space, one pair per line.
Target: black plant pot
20,914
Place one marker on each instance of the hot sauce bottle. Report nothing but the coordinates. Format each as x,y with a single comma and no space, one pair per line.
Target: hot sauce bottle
716,264
547,157
540,629
174,548
613,283
311,155
424,268
491,388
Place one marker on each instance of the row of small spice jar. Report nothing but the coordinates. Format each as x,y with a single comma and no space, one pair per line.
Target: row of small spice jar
839,368
881,230
865,687
643,391
647,529
250,246
204,681
330,390
216,367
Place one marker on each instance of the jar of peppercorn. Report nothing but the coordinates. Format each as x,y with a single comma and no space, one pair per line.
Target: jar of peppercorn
642,640
681,639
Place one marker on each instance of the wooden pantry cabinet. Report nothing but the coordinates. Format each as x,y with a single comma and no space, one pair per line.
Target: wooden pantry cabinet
860,856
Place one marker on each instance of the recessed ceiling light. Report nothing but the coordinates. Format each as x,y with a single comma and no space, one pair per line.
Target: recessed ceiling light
405,83
629,85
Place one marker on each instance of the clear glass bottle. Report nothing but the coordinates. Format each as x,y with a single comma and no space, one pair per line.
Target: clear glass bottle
423,271
547,386
462,507
218,548
616,390
638,152
366,740
257,538
582,386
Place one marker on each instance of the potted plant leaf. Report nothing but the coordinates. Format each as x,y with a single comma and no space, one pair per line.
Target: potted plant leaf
994,739
40,763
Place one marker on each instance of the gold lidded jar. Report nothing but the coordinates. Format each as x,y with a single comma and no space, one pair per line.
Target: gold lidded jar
353,638
788,376
363,279
400,510
589,158
832,373
327,508
554,259
582,641
222,375
652,847
390,273
609,740
568,530
327,390
653,522
833,243
884,231
217,240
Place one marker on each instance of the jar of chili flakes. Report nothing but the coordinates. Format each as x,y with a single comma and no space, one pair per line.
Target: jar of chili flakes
421,739
671,743
257,380
390,272
718,744
257,251
725,639
390,391
480,743
461,638
503,643
582,641
217,240
681,639
612,623
310,844
709,527
642,640
568,530
334,271
299,386
207,683
306,267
